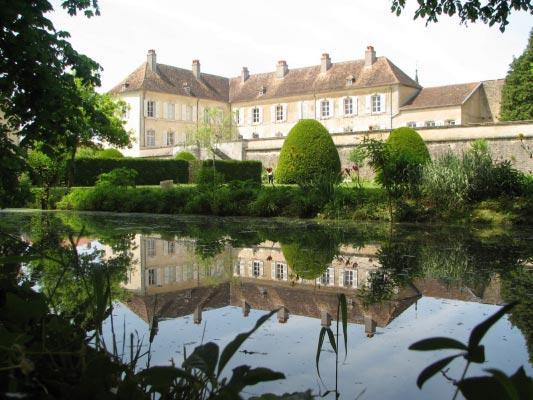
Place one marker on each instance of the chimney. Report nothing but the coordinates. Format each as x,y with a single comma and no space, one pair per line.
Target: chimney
325,63
196,68
282,69
244,74
370,56
152,61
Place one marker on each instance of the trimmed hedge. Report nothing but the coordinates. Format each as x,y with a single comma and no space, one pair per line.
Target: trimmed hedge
150,171
185,155
308,155
409,145
233,170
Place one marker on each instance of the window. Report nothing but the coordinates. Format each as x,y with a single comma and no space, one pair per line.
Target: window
449,122
150,247
150,108
324,279
324,109
237,117
348,277
255,135
348,106
411,124
171,247
150,138
152,277
376,103
167,274
126,112
238,267
429,124
255,115
279,113
256,268
171,111
170,138
280,271
188,112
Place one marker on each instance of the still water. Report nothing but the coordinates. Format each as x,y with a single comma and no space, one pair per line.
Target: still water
208,279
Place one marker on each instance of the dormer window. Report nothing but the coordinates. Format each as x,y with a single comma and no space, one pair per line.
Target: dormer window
350,80
262,90
125,86
187,88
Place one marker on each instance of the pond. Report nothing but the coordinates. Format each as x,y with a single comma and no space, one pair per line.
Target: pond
182,281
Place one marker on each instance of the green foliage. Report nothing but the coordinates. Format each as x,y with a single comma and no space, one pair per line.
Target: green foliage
233,170
308,154
121,177
45,171
150,171
517,93
109,153
185,155
495,386
493,12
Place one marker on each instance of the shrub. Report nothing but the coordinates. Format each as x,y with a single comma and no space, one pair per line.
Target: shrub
150,171
185,155
233,170
408,153
118,177
109,153
307,154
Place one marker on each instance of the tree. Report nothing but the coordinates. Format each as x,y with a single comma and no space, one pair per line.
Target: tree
493,12
517,93
46,172
38,90
215,128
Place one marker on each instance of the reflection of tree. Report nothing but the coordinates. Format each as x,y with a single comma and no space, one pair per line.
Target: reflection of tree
517,285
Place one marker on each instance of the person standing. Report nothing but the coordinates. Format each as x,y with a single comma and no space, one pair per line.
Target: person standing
270,175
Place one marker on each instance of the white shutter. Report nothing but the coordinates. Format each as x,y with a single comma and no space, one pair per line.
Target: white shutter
341,107
273,267
341,277
250,270
194,113
145,108
355,279
439,123
260,115
355,103
183,112
331,280
285,272
382,98
158,109
300,106
273,114
165,110
318,115
331,108
285,112
241,117
158,276
250,116
177,109
165,244
368,104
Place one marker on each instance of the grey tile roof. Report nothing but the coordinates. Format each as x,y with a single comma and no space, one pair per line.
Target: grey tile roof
441,96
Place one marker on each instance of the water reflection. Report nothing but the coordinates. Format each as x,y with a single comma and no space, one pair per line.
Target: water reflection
415,282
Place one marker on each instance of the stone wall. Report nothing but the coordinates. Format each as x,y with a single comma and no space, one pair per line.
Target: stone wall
503,139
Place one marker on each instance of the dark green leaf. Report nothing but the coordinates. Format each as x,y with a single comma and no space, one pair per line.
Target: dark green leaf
319,348
17,259
161,378
506,382
523,384
482,388
204,358
480,330
437,343
431,370
332,339
344,318
234,345
476,354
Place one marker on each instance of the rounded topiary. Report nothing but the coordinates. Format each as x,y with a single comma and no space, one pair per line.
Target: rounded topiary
185,155
308,155
306,262
406,143
109,153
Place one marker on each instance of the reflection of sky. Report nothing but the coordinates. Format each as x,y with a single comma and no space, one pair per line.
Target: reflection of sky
382,366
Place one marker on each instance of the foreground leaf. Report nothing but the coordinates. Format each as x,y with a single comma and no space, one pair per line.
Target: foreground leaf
203,358
437,343
344,318
319,348
434,368
480,330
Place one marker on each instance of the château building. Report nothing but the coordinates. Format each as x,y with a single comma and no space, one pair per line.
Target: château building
372,93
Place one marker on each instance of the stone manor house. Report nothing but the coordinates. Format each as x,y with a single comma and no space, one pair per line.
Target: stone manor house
368,94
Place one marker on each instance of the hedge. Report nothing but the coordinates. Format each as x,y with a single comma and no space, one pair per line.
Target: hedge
308,155
151,171
233,170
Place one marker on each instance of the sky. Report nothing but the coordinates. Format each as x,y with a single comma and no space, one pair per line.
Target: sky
227,35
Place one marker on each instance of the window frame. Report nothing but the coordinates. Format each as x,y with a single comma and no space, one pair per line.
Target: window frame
375,103
450,122
150,108
237,116
152,277
149,140
429,124
325,106
256,263
171,134
279,266
171,111
348,101
411,124
348,282
256,115
279,112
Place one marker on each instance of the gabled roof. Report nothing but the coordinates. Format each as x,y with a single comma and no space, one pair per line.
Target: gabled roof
442,96
299,81
173,80
309,80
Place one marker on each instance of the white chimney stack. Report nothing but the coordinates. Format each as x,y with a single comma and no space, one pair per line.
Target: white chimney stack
370,56
282,69
325,63
152,60
196,68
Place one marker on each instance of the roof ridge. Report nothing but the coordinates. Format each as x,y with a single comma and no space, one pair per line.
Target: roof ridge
188,70
394,69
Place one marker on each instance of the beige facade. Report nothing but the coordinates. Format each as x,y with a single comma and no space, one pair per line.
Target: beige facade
363,95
